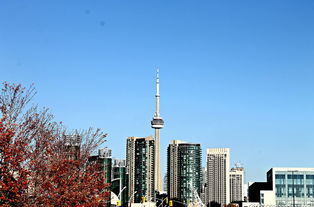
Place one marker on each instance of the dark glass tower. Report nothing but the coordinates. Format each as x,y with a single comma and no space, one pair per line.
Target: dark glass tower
140,165
184,171
104,160
119,180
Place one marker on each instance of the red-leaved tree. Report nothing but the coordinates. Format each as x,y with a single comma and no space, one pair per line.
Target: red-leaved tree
13,177
39,165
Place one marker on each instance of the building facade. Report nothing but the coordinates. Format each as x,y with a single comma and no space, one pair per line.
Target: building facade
236,184
140,167
184,171
218,166
203,185
119,180
104,160
165,187
255,188
72,145
105,155
290,186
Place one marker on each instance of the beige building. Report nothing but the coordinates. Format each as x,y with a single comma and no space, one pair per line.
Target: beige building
218,166
236,184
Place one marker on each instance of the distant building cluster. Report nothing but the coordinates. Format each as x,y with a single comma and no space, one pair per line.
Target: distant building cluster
136,180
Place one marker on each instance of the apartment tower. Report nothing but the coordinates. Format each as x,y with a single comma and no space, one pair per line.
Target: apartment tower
104,160
184,171
72,145
218,187
236,184
119,180
140,161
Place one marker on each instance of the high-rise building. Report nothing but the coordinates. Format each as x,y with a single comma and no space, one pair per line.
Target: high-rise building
104,160
140,166
236,184
157,123
218,166
119,180
72,145
184,171
165,183
105,153
203,185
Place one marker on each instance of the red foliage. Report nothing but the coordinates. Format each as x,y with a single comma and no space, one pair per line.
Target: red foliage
67,182
13,176
37,167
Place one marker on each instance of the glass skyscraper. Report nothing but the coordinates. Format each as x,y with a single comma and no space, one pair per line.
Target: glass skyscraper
119,180
140,166
104,160
184,171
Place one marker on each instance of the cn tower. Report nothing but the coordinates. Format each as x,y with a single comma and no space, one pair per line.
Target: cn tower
157,123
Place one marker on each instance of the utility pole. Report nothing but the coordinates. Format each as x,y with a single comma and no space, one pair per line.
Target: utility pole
293,195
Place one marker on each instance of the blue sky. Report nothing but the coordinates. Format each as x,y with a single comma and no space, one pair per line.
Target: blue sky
235,74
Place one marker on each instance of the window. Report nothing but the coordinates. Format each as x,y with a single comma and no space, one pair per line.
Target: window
280,179
310,191
280,190
310,179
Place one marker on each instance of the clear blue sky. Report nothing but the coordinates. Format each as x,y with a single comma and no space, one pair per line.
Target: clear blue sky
235,73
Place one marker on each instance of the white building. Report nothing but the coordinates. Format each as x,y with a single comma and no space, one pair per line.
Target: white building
267,197
105,152
218,166
245,191
290,186
236,184
146,204
251,204
285,187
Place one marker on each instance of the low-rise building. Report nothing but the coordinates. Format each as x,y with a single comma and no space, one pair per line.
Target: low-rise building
285,187
291,186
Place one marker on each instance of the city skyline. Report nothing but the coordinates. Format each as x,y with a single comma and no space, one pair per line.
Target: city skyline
235,75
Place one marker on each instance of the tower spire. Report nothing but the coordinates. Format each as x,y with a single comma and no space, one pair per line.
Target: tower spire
157,94
157,83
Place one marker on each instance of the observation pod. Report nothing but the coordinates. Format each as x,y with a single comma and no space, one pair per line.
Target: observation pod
157,123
